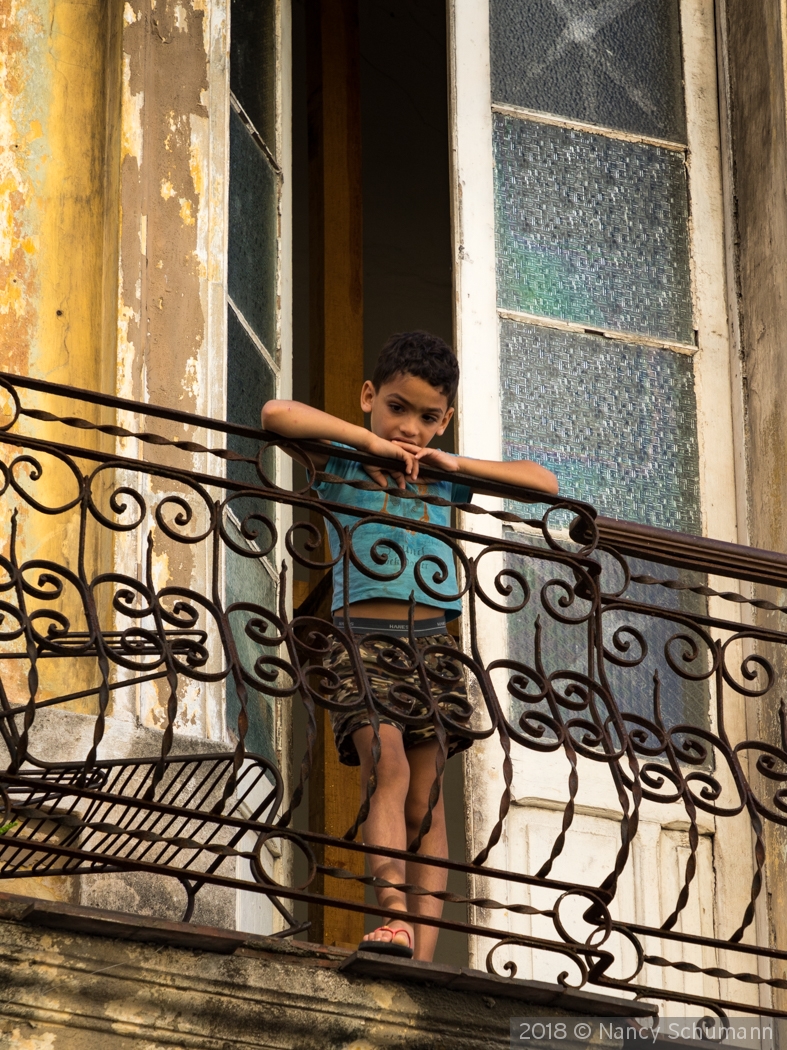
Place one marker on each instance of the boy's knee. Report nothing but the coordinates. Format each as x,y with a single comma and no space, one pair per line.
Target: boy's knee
415,810
390,739
393,769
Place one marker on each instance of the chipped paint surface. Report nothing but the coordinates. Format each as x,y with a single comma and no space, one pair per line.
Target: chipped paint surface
166,192
54,175
23,105
31,1040
64,213
93,992
106,246
53,182
161,315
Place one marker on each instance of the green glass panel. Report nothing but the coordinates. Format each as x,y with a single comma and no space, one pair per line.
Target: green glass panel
250,383
615,421
253,63
564,646
248,580
592,230
253,229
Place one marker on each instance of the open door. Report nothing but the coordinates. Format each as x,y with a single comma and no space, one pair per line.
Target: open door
591,328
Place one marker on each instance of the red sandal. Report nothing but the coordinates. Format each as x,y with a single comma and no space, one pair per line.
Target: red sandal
404,951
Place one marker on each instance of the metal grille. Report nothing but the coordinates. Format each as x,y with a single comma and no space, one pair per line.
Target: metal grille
137,515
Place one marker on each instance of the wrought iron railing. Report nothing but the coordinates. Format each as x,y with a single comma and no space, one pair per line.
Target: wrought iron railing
619,659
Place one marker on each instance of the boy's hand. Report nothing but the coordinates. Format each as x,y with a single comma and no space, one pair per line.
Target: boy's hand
377,446
434,457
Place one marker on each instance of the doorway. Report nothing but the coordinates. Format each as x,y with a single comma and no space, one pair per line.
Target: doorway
405,268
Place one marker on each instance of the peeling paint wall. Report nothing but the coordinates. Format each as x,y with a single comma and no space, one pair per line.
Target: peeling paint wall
113,149
53,176
58,262
57,266
171,272
162,317
172,200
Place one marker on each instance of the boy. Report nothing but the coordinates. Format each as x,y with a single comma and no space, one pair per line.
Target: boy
409,401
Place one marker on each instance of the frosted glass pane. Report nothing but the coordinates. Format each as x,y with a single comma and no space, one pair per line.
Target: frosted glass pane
610,62
565,646
615,421
591,229
247,580
250,383
253,227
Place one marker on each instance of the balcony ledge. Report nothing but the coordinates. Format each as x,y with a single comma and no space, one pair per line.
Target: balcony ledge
81,974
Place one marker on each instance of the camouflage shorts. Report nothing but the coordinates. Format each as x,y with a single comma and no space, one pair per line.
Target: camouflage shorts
396,685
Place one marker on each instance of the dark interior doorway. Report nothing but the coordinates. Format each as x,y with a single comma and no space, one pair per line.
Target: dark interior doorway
407,273
406,187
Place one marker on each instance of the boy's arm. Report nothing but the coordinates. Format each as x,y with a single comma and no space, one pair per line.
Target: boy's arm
293,419
522,472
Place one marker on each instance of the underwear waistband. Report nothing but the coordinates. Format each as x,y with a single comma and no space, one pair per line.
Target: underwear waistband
369,625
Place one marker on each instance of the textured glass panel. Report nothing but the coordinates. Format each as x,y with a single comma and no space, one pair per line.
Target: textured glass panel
253,63
247,580
610,62
250,383
253,217
565,646
591,229
615,421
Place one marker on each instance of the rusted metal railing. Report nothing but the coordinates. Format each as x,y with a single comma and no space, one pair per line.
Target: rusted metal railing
626,657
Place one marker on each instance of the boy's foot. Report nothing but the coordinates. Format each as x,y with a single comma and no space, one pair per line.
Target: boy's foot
389,940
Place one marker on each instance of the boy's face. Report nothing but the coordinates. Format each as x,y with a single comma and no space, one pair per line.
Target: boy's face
406,410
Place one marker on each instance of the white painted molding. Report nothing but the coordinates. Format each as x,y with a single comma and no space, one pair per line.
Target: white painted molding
473,213
712,361
476,341
581,125
605,333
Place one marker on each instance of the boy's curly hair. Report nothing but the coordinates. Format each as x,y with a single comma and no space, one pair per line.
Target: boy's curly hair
422,355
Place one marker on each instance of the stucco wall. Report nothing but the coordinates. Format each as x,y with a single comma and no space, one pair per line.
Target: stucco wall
113,186
758,206
69,990
55,180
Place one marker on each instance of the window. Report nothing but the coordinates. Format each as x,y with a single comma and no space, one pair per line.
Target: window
253,324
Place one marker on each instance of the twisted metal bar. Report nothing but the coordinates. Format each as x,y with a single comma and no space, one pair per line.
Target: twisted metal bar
603,667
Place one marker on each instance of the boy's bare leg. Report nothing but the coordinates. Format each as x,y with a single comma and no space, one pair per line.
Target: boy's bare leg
385,824
404,780
434,843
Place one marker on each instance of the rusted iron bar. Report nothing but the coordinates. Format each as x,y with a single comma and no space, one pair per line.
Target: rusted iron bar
699,553
602,668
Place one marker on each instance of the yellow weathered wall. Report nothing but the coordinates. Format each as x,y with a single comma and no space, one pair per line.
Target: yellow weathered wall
109,265
55,173
58,269
111,273
59,160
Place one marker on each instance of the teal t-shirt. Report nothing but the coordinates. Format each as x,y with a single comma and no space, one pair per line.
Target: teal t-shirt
414,543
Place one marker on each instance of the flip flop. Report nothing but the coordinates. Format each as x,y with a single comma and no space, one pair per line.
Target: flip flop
404,951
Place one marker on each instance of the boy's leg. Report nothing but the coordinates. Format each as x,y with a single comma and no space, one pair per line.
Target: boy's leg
421,759
385,824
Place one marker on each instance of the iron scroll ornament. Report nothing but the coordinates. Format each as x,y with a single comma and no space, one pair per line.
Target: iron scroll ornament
585,619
